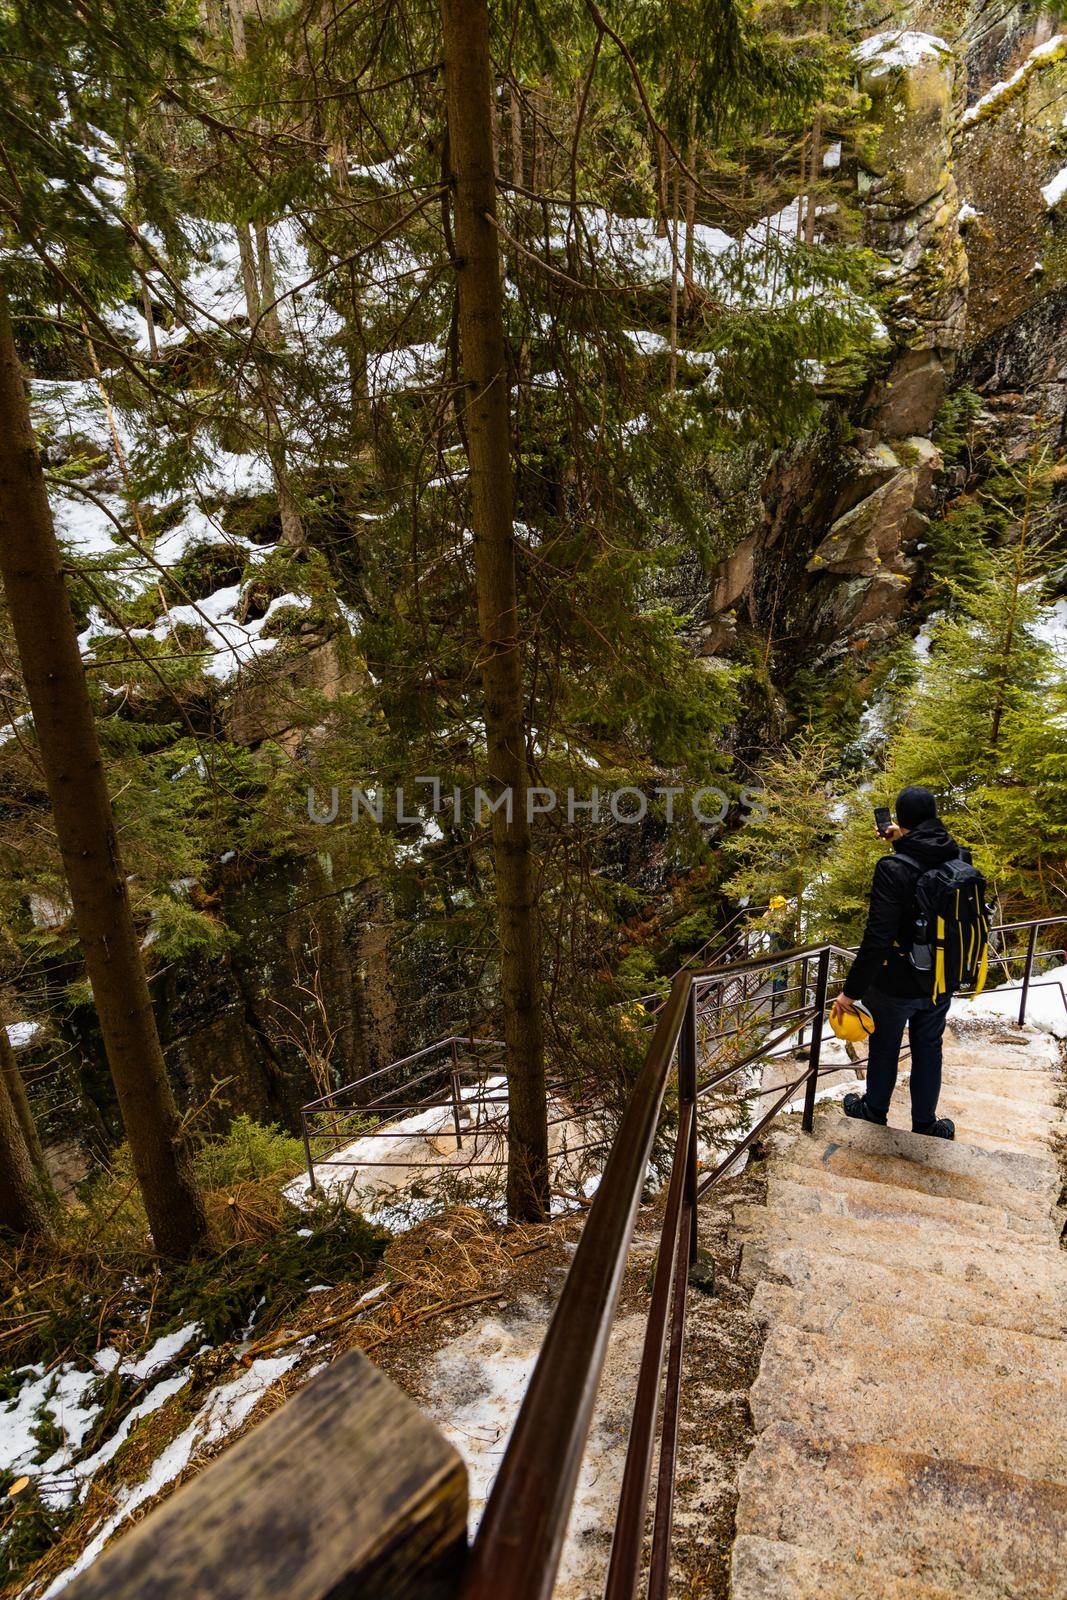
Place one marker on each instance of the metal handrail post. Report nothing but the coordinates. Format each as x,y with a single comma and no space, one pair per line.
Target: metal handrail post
1031,947
803,997
822,979
687,1095
312,1184
455,1096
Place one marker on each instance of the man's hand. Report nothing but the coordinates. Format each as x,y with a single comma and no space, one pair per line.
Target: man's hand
841,1005
894,831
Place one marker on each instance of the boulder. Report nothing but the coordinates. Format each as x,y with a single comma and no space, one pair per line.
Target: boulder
910,78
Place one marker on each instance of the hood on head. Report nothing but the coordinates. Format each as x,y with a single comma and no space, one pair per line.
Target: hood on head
929,843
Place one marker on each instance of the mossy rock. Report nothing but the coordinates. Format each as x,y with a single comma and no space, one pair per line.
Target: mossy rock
254,517
913,111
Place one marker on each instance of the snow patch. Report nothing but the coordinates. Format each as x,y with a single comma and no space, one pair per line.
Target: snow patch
1053,192
223,1412
903,49
1002,93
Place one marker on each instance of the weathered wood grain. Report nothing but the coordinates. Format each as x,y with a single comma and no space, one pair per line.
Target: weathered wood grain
346,1493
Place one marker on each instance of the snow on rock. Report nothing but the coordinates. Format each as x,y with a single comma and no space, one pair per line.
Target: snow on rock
1001,94
904,48
230,644
1054,191
225,1410
831,158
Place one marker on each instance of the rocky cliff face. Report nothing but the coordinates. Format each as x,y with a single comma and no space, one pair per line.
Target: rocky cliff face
956,173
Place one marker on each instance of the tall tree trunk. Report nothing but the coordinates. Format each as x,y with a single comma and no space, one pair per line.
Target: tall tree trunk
661,186
691,212
260,294
20,1101
260,311
675,229
515,105
23,1209
54,676
149,319
484,372
814,168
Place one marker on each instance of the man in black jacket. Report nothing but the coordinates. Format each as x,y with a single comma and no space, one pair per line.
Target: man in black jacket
882,976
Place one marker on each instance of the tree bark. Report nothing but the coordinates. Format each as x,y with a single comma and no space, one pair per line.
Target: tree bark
691,214
515,106
468,81
22,1205
674,235
35,586
20,1100
259,298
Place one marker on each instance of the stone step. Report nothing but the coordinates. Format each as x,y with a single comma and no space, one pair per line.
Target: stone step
1025,1088
972,1530
997,1265
805,1190
987,1103
1034,1171
869,1392
849,1157
989,1123
768,1569
997,1058
838,1276
870,1324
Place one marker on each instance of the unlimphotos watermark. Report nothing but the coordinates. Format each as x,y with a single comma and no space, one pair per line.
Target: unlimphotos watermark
629,805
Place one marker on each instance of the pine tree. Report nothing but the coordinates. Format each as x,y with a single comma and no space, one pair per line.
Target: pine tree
20,1101
23,1208
783,853
488,443
35,588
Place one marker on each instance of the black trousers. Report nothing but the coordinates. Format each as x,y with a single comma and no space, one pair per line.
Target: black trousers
925,1023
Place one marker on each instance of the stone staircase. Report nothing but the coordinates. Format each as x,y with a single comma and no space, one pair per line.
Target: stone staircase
911,1403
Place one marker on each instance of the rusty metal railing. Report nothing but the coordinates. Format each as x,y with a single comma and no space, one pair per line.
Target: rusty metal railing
517,1547
451,1075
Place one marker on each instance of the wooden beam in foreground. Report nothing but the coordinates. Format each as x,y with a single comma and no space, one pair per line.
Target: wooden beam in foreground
346,1493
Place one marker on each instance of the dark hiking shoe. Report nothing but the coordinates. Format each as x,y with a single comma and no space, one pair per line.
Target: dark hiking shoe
940,1128
855,1105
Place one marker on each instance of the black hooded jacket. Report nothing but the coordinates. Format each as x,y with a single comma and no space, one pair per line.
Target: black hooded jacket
881,960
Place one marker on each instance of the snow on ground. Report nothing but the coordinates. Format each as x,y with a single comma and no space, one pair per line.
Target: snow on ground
22,1033
68,1398
394,1176
226,1408
230,643
476,1387
1051,628
1046,1005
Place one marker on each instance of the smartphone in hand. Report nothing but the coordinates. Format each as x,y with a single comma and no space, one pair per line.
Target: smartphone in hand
882,819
